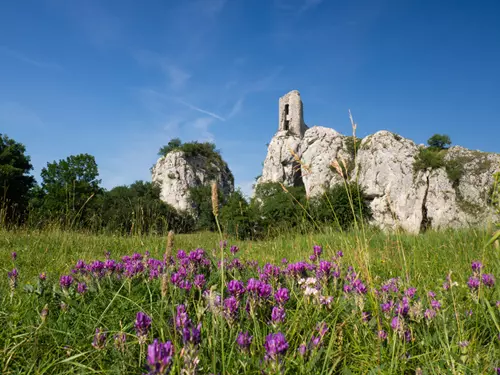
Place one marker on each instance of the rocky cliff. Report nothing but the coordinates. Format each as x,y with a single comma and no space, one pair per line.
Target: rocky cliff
399,194
177,172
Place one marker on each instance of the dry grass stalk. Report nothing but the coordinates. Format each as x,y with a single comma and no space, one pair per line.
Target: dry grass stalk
170,245
215,199
335,164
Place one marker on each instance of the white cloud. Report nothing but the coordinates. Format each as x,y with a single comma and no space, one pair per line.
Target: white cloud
189,105
236,108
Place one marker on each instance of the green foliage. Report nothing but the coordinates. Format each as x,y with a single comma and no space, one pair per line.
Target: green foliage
172,145
429,158
237,217
201,202
439,141
278,209
68,190
15,181
352,145
137,209
454,170
342,206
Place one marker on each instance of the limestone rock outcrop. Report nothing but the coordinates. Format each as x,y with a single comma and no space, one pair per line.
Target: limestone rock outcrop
176,173
455,195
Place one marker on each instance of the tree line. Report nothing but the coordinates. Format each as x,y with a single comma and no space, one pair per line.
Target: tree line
70,196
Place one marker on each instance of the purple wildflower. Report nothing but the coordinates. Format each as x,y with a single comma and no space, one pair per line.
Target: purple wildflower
473,283
199,281
431,294
410,292
181,319
429,314
244,340
264,290
223,244
275,345
382,334
236,288
99,341
365,316
387,306
81,288
142,324
488,280
192,334
42,276
160,357
315,341
13,274
463,344
318,250
396,324
435,304
14,255
281,296
234,249
278,315
302,349
231,305
65,281
476,266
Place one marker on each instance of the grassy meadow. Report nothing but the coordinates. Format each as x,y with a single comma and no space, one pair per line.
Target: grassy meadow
349,313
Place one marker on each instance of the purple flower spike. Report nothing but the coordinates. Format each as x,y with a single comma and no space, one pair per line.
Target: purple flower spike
236,288
396,324
231,305
199,281
435,304
410,292
160,356
65,281
142,324
244,340
476,266
14,255
181,319
275,346
99,341
278,315
234,249
473,283
42,276
382,335
318,250
81,288
429,314
281,296
192,334
488,280
303,349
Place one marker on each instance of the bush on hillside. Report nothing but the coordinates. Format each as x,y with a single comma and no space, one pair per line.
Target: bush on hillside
439,141
237,217
342,206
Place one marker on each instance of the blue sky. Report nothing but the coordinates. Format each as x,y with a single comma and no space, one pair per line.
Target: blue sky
120,78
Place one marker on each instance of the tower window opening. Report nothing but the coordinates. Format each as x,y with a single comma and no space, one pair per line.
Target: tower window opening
287,122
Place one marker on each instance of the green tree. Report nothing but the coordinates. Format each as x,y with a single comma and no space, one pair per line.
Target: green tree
341,205
439,141
278,209
138,209
15,181
237,217
69,187
171,145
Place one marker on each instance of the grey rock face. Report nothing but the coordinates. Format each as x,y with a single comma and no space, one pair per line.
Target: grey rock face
282,163
399,196
384,168
463,202
176,174
319,148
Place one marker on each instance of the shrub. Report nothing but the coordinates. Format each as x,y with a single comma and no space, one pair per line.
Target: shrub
237,217
429,158
342,205
279,209
454,170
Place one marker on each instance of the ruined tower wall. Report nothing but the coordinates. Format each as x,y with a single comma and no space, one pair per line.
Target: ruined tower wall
291,114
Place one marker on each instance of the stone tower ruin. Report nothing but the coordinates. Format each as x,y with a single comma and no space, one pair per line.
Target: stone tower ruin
291,114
